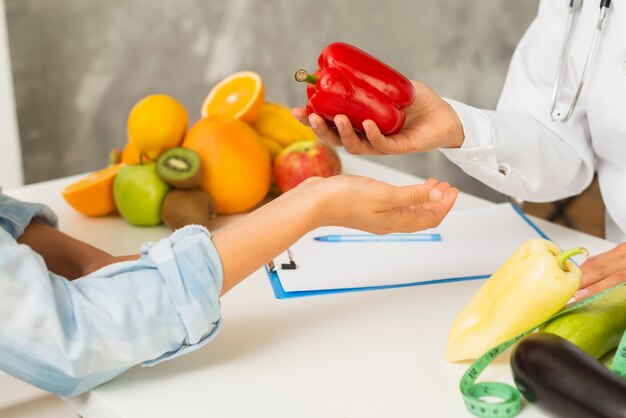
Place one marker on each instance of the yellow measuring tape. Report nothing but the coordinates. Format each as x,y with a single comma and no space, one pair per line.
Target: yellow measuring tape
510,397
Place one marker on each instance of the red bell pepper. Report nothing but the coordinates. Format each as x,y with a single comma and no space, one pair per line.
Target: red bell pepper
353,83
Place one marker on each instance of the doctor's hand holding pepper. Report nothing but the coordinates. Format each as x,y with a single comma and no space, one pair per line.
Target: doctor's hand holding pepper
555,126
430,123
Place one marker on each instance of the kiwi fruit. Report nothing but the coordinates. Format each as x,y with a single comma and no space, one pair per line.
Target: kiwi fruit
115,156
185,207
180,167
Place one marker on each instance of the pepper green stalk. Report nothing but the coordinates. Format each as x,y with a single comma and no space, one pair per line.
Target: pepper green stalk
304,76
565,255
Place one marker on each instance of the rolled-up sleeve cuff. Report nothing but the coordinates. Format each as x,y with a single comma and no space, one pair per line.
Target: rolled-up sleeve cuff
478,148
186,348
15,215
189,253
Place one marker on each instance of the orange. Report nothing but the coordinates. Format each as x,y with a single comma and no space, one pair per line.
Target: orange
155,124
239,96
236,165
130,155
93,195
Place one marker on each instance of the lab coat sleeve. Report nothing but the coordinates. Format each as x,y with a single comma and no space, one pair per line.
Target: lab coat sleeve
517,149
67,337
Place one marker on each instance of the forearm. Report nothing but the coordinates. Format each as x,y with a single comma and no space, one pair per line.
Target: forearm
350,201
64,255
248,244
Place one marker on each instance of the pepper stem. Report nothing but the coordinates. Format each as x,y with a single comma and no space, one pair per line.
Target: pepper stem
565,255
303,76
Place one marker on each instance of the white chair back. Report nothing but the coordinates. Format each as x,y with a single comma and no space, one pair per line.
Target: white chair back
11,169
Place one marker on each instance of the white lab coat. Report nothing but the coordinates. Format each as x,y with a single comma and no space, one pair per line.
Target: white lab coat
519,151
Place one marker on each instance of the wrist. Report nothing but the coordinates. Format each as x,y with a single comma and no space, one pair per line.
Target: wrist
103,260
95,262
313,203
456,134
328,203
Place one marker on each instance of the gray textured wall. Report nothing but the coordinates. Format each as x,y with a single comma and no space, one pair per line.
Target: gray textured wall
79,66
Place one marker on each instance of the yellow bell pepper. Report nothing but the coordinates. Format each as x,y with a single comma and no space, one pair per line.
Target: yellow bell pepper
531,286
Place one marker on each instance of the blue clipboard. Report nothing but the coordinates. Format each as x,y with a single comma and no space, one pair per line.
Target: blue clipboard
281,293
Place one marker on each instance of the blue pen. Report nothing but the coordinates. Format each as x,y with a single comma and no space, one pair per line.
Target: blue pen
379,238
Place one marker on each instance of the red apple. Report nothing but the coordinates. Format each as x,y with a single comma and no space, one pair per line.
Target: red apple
302,160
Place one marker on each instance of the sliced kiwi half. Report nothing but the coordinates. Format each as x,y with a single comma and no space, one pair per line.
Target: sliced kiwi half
180,167
186,207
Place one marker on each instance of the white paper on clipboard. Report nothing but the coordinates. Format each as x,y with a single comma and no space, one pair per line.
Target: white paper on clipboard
474,242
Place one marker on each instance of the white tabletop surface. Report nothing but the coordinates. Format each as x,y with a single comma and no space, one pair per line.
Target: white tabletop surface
364,354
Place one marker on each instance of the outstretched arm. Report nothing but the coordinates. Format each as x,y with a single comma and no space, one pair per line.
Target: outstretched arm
350,201
251,242
69,336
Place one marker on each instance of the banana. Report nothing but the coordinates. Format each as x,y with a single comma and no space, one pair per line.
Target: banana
276,122
274,147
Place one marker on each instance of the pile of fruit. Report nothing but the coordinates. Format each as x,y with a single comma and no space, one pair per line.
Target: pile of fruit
242,148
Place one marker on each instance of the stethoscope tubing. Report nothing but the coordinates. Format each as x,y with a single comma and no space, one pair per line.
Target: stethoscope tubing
574,7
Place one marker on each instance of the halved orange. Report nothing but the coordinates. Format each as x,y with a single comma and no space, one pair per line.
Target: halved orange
93,195
239,96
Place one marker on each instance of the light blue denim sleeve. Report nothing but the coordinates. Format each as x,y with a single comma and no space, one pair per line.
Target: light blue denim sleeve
15,215
67,337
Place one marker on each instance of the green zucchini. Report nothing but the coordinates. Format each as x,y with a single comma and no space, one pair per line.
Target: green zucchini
596,327
607,359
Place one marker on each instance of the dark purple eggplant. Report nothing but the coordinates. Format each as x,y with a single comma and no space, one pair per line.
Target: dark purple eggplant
561,378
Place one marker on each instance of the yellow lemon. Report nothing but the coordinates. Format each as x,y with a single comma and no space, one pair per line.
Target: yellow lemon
155,124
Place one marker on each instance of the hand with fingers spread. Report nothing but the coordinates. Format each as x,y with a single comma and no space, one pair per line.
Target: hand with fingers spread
603,271
430,123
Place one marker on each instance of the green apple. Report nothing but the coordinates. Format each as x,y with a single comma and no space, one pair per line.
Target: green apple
139,193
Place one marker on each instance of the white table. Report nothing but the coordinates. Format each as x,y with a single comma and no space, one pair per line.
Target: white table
364,354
